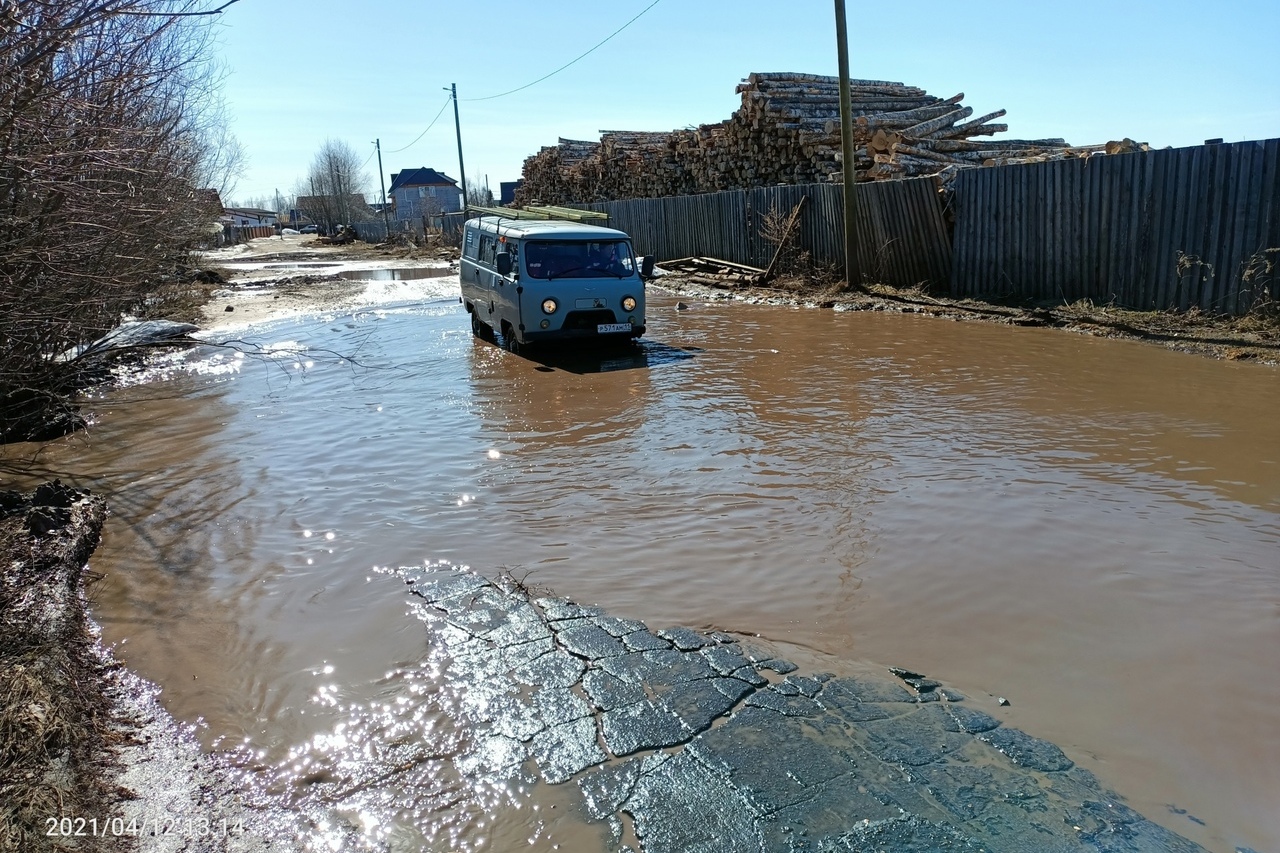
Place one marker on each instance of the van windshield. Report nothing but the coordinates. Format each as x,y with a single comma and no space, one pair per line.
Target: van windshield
550,260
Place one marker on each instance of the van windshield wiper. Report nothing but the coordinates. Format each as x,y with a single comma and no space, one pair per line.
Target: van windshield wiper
559,273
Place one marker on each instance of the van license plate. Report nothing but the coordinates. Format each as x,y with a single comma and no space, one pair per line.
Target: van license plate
611,328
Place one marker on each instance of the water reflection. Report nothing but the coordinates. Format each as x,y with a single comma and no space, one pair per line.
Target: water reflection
641,355
398,274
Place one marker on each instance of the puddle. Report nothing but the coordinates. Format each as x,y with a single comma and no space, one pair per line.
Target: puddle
409,274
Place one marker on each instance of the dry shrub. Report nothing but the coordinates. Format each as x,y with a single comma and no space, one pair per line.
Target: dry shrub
110,130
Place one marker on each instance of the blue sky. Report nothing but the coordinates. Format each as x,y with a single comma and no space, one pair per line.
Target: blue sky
1169,73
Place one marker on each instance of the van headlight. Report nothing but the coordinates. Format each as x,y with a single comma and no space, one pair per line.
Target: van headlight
628,303
549,306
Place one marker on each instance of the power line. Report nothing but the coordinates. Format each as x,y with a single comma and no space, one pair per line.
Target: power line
424,133
572,61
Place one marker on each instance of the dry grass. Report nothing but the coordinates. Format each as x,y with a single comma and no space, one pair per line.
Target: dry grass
516,580
53,717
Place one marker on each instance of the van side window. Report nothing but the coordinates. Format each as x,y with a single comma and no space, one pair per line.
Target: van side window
487,249
472,249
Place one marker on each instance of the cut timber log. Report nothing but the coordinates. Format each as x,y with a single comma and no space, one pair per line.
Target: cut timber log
925,128
963,129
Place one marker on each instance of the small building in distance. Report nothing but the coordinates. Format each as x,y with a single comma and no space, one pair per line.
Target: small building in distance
424,192
245,217
507,191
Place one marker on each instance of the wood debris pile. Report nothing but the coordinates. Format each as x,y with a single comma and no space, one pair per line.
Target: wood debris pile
714,272
788,131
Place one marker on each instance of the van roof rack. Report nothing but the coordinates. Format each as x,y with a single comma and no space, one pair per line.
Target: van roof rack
544,211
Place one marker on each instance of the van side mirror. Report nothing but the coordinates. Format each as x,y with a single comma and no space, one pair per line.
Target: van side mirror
646,266
503,261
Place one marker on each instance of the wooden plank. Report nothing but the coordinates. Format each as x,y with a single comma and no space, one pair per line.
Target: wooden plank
966,203
917,249
1225,186
1214,209
895,251
1016,278
1245,229
959,245
1163,189
1269,214
1051,267
1037,238
1122,222
1015,271
989,238
1138,188
985,239
966,214
1087,266
1188,224
1255,238
941,240
981,236
1072,213
1108,180
1142,208
938,248
1179,202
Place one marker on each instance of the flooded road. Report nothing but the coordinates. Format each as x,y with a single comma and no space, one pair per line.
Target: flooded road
1088,528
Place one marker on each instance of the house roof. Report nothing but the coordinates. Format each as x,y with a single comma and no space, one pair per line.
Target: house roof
422,177
209,198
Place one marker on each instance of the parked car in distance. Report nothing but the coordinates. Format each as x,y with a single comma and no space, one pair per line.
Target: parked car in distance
309,229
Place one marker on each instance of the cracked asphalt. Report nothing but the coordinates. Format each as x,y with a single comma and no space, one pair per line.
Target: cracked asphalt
685,741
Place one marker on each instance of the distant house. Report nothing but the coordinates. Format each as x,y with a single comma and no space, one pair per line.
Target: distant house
243,217
507,191
424,192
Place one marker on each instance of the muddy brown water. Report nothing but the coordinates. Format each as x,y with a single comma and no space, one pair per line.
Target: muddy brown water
1089,528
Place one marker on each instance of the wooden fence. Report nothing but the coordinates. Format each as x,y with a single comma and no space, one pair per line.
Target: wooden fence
1178,228
902,240
239,233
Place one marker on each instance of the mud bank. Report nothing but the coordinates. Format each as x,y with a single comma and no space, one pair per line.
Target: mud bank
1255,337
88,758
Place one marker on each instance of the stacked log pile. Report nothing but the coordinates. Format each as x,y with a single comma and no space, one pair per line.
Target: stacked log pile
561,172
787,130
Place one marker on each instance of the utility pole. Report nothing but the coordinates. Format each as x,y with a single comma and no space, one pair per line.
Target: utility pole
457,126
851,271
382,182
